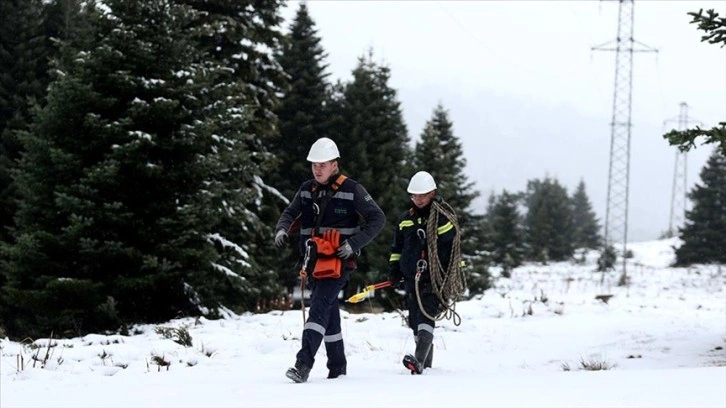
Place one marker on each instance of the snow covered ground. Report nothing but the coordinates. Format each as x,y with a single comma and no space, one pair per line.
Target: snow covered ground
522,344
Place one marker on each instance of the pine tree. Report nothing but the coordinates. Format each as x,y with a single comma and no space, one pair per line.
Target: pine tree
704,232
240,42
64,21
110,223
477,263
585,227
23,60
367,124
28,30
507,240
548,221
24,52
303,117
440,153
302,111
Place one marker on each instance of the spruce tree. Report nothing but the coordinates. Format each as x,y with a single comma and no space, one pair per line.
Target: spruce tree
64,21
239,42
23,61
24,54
28,31
507,240
548,221
477,263
110,226
303,118
440,153
585,227
704,232
302,112
373,143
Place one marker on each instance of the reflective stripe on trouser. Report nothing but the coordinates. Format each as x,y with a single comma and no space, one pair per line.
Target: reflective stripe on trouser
324,324
416,319
333,339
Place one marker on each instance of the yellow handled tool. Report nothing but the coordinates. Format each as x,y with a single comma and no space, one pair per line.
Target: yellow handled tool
362,295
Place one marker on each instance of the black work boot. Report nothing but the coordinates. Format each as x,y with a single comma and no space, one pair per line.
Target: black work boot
429,357
423,348
416,362
299,373
336,372
410,362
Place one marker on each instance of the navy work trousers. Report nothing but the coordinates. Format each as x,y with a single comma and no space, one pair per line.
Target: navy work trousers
323,322
416,318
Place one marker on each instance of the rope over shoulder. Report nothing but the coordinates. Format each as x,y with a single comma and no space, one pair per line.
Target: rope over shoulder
447,281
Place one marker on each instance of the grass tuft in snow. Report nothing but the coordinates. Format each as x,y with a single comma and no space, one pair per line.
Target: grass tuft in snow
177,334
159,361
209,352
590,364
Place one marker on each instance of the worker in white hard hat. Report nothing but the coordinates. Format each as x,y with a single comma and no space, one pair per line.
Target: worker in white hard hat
337,217
409,264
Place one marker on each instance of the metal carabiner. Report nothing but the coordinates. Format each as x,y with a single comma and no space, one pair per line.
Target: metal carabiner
306,260
316,209
421,265
421,234
308,244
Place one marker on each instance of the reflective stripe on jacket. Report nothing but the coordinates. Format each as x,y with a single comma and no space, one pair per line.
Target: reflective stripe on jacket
408,246
350,210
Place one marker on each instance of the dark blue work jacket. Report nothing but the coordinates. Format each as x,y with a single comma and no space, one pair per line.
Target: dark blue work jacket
410,243
350,210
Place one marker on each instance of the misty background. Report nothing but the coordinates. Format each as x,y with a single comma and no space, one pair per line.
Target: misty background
529,97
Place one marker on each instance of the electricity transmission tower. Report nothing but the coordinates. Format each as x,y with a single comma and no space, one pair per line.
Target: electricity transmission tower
679,199
616,215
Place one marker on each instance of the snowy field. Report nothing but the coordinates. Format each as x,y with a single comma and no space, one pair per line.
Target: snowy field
661,341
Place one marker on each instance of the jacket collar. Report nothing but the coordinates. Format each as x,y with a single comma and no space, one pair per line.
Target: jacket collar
331,180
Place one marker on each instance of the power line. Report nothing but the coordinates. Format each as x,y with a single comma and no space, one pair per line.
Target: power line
477,40
594,77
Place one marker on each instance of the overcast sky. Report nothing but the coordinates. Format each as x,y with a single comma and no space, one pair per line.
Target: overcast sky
527,95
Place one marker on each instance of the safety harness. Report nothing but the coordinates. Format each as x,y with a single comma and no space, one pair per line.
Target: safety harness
320,204
308,264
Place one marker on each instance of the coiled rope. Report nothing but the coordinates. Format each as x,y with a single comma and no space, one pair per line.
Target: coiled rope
449,282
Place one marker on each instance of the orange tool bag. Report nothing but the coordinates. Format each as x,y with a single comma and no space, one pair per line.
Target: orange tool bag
327,264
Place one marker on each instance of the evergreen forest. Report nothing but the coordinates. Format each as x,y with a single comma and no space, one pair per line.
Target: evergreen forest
148,148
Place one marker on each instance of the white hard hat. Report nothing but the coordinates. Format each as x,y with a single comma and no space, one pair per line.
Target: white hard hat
421,183
323,150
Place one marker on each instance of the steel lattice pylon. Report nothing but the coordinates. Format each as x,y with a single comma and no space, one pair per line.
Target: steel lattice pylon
678,192
616,213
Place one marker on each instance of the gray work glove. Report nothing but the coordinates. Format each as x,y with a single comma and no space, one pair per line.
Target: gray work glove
345,251
281,239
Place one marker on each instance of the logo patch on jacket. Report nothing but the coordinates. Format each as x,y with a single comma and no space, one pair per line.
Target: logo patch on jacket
341,211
